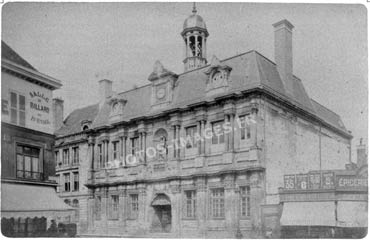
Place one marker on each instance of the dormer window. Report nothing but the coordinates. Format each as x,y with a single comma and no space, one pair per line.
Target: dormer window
117,104
218,77
163,83
85,125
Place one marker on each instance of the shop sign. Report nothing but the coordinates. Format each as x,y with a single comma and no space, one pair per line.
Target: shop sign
302,181
351,182
328,180
315,180
39,108
289,182
325,180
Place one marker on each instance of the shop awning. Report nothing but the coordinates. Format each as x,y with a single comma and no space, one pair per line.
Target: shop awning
308,214
352,214
23,200
161,200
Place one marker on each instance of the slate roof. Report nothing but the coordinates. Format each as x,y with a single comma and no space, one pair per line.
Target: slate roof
249,70
9,54
72,124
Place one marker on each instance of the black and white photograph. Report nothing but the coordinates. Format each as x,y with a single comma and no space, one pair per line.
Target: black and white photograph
195,120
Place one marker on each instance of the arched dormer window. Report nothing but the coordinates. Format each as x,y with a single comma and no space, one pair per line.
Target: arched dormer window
85,125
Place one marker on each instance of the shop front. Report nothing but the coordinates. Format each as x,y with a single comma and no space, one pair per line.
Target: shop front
330,204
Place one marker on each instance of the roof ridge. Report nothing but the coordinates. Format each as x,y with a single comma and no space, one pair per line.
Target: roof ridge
226,59
133,89
269,60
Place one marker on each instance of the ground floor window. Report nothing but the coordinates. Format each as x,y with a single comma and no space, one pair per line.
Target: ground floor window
76,205
245,205
134,206
113,207
98,208
190,203
217,203
23,227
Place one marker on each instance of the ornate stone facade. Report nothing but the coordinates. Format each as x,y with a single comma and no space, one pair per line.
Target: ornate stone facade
188,157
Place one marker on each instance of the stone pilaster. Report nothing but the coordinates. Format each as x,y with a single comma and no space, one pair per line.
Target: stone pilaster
230,203
201,205
256,201
176,206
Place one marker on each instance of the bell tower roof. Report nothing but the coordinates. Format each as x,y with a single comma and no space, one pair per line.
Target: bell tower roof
194,22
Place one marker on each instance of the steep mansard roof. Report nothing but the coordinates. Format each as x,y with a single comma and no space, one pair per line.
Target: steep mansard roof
249,70
72,124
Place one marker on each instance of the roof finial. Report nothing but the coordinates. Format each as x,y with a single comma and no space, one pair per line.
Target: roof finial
194,8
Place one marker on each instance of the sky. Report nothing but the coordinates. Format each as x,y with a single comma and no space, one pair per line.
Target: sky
81,43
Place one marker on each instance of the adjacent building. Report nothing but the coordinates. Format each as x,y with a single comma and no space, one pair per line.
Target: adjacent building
29,202
326,204
198,154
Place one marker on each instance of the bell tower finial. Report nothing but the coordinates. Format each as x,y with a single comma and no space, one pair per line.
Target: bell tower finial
195,36
194,8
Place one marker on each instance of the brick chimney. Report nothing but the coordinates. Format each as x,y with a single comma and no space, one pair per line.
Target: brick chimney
58,113
284,53
105,89
361,154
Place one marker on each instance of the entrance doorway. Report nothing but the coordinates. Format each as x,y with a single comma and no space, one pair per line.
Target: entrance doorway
162,217
163,214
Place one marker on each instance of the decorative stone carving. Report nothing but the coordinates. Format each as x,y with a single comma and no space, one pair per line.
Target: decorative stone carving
218,75
229,181
201,184
175,186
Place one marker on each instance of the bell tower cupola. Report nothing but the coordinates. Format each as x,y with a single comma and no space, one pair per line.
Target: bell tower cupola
195,38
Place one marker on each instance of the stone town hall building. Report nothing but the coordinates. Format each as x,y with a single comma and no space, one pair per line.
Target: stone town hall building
225,185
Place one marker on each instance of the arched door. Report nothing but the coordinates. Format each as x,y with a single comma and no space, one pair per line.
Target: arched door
162,213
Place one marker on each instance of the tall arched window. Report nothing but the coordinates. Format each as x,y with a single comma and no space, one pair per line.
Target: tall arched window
160,143
75,204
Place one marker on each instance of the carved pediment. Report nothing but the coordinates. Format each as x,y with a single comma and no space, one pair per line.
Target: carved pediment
163,83
116,103
218,75
160,72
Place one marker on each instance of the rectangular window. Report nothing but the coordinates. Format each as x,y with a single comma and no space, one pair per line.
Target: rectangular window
115,150
100,152
134,206
245,204
135,145
17,109
67,182
190,132
217,203
218,132
76,182
245,127
58,182
75,155
56,155
98,208
65,156
190,204
113,207
28,162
